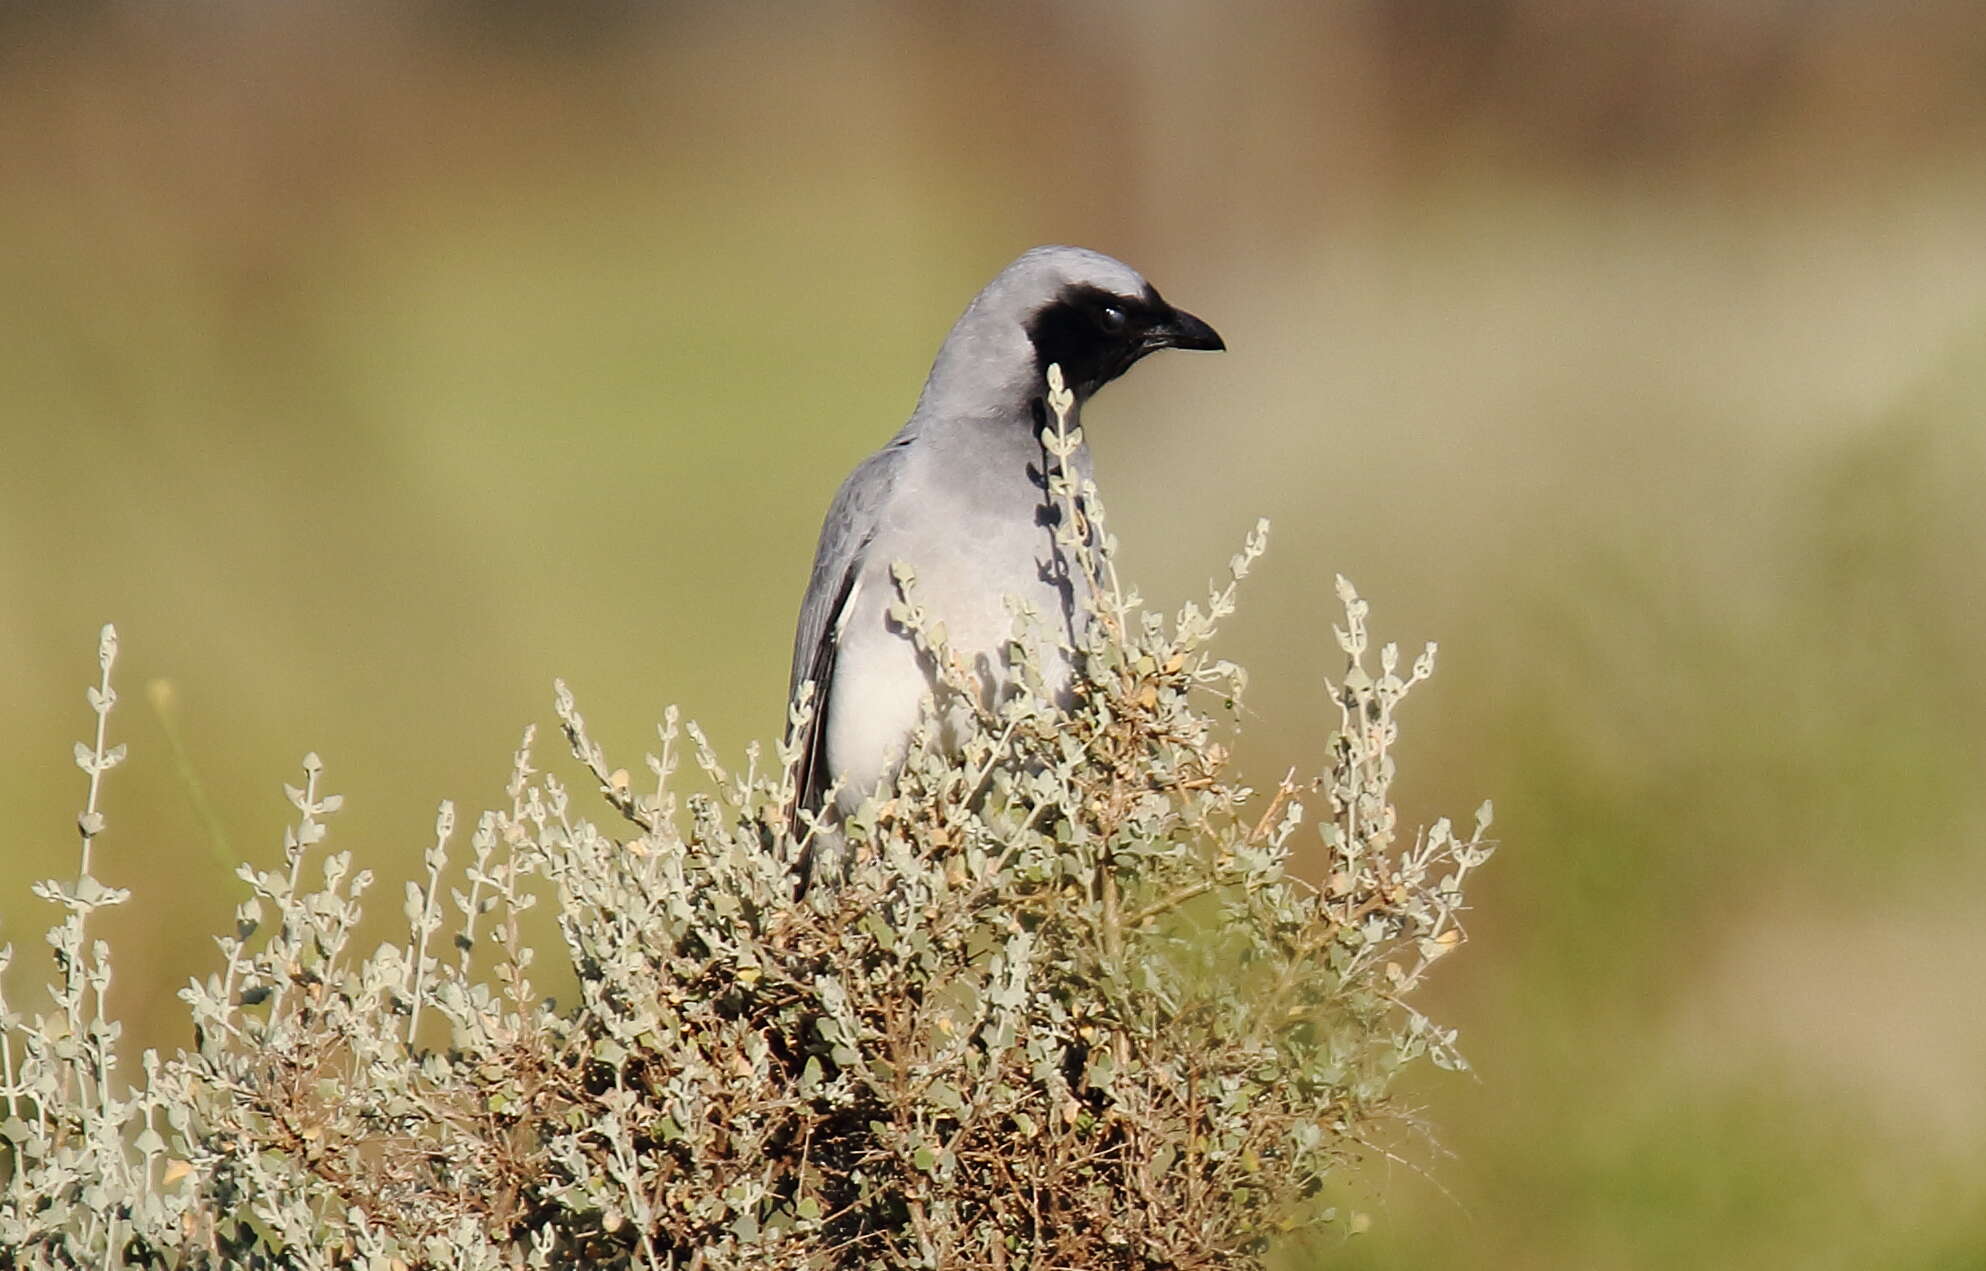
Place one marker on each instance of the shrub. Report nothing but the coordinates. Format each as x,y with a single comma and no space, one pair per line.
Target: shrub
1062,1004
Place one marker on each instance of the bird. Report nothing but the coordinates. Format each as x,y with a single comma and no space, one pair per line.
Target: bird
960,496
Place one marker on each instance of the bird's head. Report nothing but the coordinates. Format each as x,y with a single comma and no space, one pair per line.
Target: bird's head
1091,314
1096,316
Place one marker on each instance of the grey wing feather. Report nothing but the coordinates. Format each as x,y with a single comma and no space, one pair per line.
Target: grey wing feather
851,523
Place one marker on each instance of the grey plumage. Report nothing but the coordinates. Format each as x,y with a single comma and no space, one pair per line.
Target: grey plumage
959,495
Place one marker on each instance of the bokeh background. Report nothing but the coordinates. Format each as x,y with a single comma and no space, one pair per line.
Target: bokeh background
371,364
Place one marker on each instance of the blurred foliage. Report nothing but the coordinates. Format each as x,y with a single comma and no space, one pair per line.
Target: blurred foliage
1748,936
1636,351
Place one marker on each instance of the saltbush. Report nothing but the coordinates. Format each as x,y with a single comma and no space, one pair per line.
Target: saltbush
1060,1002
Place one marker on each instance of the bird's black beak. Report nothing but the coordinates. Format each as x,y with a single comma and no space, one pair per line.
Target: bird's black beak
1182,330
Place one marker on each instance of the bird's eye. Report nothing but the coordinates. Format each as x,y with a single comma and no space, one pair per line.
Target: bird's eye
1111,319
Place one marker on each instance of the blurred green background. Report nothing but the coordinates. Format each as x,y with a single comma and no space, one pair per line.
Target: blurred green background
369,365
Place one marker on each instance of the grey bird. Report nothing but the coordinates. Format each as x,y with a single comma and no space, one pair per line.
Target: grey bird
960,496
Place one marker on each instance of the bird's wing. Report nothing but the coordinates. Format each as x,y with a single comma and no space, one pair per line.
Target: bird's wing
831,591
